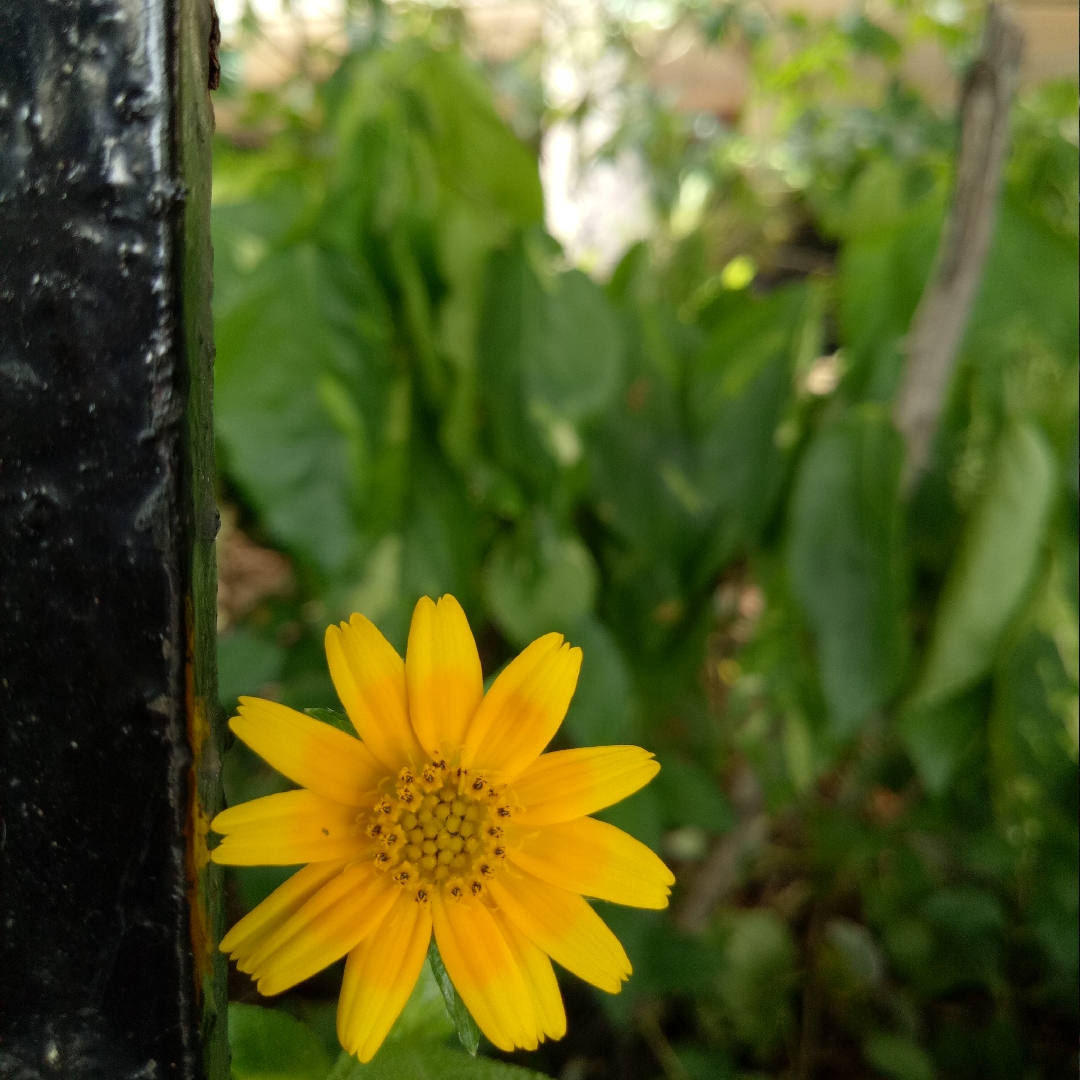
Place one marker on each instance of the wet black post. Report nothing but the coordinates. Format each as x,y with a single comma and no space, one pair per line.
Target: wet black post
109,743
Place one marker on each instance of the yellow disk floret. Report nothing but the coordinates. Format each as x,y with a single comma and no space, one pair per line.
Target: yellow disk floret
439,828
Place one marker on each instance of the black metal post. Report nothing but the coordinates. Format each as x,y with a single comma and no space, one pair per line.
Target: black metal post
109,744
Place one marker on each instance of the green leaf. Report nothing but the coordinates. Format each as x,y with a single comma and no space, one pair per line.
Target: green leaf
1030,278
741,384
885,260
334,719
846,564
689,795
699,1063
538,583
867,37
292,371
467,1031
271,1045
476,151
638,815
758,977
424,1018
939,736
246,663
994,566
427,1063
551,360
602,709
899,1058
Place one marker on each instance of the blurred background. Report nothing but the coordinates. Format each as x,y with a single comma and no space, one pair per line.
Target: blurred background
591,312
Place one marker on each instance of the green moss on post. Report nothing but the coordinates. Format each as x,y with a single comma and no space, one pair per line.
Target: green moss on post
194,125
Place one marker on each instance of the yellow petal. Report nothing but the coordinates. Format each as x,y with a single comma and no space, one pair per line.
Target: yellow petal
484,973
524,708
288,828
442,669
379,977
539,978
565,927
315,755
268,917
569,784
336,919
369,677
596,859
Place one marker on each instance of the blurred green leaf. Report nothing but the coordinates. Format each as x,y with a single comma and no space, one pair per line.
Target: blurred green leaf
868,37
889,248
424,1018
296,331
702,1064
467,1031
477,152
994,566
1030,277
639,815
938,736
603,707
550,361
427,1063
246,663
758,978
544,583
740,388
270,1045
899,1058
689,795
846,562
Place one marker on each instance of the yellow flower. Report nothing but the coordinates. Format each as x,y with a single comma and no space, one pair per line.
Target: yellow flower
444,816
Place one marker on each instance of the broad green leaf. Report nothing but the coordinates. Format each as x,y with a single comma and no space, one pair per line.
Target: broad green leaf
639,815
1030,278
885,260
899,1058
255,883
439,545
268,1044
428,1063
758,977
573,368
246,663
993,568
467,1031
938,737
867,37
665,961
846,564
740,387
699,1063
551,360
689,795
602,709
424,1018
539,586
1033,759
291,365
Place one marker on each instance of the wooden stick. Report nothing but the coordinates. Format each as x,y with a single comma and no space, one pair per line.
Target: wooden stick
938,325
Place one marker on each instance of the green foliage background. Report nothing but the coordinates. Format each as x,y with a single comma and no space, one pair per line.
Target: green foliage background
866,705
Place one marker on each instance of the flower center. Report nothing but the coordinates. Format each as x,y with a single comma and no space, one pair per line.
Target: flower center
439,828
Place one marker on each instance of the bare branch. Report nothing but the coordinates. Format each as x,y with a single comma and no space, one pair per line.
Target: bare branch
941,317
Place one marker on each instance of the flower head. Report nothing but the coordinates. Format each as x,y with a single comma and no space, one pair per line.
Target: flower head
445,816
